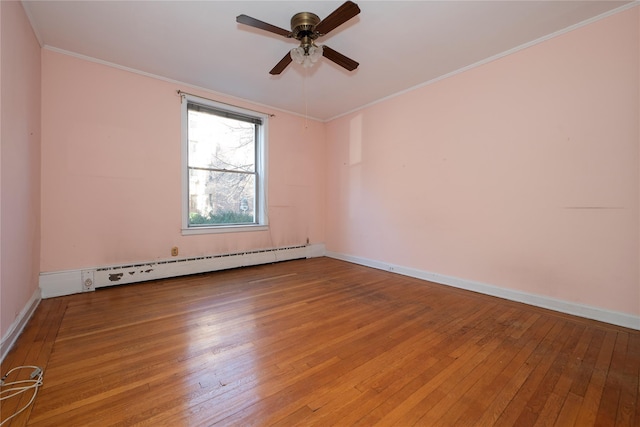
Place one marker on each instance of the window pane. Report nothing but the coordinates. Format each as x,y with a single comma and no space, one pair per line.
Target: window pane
221,143
221,197
223,167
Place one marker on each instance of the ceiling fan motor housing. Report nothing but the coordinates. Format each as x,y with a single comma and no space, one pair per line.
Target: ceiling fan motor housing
303,27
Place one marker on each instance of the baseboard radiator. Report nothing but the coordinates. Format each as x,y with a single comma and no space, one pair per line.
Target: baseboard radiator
59,283
133,273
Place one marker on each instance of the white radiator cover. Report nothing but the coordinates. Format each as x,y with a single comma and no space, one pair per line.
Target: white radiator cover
55,284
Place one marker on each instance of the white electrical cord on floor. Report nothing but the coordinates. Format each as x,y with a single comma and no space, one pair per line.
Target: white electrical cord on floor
15,388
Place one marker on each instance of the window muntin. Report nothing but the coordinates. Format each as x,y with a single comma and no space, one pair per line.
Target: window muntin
224,167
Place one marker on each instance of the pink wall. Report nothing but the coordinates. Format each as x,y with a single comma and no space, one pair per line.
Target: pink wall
19,163
521,173
111,171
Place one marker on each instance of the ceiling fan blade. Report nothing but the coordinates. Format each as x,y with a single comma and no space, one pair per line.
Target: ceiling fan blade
253,22
338,17
280,66
339,58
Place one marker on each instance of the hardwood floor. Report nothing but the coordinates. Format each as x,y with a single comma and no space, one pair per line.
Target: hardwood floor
320,342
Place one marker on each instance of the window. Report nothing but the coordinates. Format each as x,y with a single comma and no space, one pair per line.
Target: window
224,177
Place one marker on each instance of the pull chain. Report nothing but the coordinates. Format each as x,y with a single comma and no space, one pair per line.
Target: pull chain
304,94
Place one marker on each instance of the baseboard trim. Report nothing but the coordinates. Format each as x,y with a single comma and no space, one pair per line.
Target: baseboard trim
60,283
567,307
16,328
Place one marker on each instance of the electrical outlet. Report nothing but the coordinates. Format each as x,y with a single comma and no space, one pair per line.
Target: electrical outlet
174,251
88,284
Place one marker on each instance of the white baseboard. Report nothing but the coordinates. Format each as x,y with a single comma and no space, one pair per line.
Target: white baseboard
589,312
60,283
18,324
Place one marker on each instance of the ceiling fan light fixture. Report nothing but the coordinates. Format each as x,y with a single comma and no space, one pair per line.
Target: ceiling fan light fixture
306,56
315,52
297,54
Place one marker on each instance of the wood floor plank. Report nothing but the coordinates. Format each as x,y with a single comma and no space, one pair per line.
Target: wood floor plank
628,413
331,396
554,399
491,392
609,401
515,389
547,385
351,353
517,411
591,402
320,342
435,407
393,407
569,412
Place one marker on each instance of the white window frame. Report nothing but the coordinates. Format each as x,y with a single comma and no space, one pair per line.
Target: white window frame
262,221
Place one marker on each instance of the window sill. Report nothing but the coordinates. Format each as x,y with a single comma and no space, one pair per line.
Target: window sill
224,229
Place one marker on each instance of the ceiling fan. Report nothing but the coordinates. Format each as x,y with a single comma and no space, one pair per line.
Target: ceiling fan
306,27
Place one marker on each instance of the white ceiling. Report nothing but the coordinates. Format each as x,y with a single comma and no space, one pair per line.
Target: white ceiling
399,44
